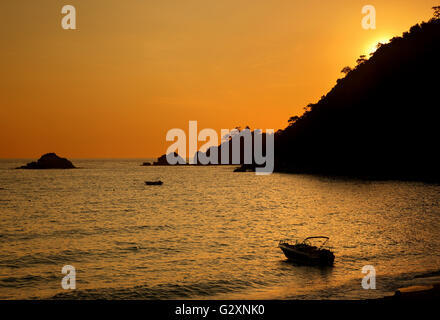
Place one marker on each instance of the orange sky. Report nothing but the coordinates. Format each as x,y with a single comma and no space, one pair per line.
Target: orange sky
135,69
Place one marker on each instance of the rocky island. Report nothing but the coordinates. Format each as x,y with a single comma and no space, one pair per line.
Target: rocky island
162,160
49,161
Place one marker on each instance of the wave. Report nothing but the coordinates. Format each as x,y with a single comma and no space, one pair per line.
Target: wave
385,285
58,258
78,233
26,280
161,291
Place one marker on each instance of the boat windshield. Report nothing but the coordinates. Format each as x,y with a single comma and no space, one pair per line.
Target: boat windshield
318,241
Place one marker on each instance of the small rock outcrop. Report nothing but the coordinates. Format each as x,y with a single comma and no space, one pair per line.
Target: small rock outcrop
146,164
245,168
162,160
49,161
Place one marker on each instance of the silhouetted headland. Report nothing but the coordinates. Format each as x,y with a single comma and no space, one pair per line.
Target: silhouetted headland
49,161
378,122
216,156
237,137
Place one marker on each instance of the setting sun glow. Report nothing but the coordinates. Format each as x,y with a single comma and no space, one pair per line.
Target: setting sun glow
372,47
116,85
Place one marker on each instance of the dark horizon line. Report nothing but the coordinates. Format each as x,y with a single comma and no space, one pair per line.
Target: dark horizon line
92,158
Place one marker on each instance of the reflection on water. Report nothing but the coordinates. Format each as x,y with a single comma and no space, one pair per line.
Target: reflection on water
207,232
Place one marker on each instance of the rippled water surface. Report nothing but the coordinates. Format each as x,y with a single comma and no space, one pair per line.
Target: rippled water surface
207,233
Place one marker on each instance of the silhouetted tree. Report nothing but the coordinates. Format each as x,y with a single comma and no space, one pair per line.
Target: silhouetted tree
361,59
436,12
308,107
293,119
346,70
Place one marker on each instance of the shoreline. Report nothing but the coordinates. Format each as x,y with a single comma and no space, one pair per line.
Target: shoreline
415,292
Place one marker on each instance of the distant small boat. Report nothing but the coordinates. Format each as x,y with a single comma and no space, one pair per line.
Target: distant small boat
305,252
154,183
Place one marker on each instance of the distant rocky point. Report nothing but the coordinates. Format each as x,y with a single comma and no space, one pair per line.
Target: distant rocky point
162,160
49,161
245,168
146,164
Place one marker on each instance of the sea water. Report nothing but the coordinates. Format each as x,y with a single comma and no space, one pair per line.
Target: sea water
207,233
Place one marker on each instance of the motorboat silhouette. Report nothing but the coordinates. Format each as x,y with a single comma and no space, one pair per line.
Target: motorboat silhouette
310,251
154,183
